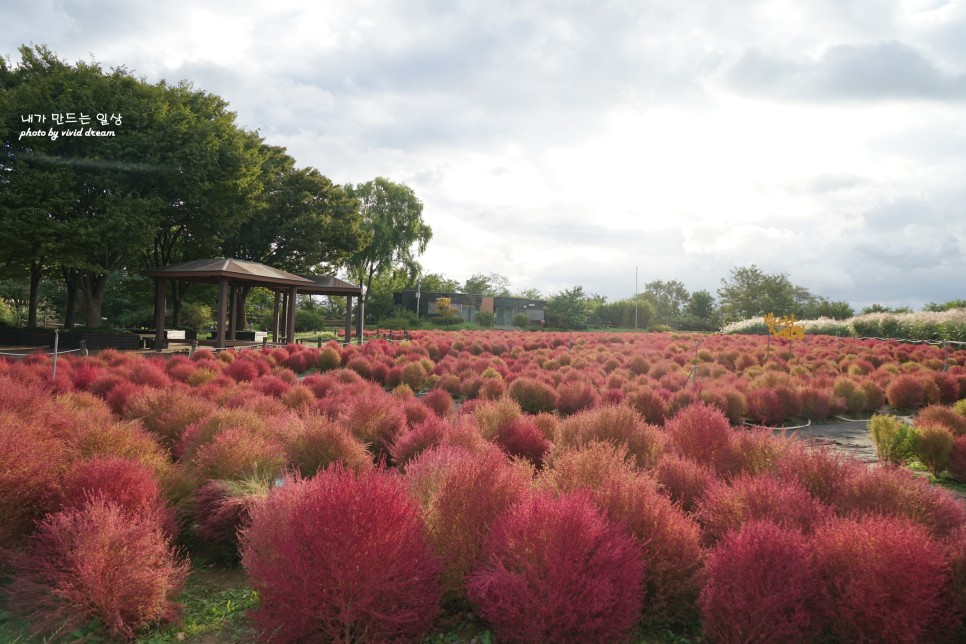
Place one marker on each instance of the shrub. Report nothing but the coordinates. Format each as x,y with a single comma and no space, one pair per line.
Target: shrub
556,571
957,459
340,557
574,396
669,540
167,413
754,451
683,479
619,425
883,580
414,375
765,406
440,401
223,507
31,462
237,453
484,319
648,404
376,420
493,415
760,587
424,435
584,467
320,442
523,437
472,491
533,395
126,482
97,562
934,443
892,491
944,416
815,403
241,370
819,470
851,393
702,433
204,431
906,392
725,507
729,400
895,441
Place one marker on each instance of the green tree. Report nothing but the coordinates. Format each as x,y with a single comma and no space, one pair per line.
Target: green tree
750,292
392,221
490,285
306,223
669,298
171,156
945,306
881,308
567,309
437,283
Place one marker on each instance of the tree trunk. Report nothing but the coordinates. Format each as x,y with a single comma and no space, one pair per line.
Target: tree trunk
36,272
93,286
70,282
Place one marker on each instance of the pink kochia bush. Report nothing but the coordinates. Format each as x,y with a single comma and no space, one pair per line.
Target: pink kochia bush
98,561
340,557
760,587
557,571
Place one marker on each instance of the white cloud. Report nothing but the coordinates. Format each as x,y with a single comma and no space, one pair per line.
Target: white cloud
564,143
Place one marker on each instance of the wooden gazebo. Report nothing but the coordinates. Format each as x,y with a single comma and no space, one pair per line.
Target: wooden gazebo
231,274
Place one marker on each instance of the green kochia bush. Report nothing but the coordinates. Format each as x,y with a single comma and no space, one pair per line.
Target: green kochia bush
895,441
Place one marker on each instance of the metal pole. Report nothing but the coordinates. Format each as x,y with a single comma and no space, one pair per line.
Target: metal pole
56,342
635,298
419,285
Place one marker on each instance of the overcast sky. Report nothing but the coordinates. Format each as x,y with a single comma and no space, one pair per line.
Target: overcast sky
568,142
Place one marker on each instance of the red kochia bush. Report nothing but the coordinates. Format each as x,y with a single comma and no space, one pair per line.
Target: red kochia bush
97,562
906,392
725,507
760,587
340,557
123,481
556,571
533,395
701,432
883,580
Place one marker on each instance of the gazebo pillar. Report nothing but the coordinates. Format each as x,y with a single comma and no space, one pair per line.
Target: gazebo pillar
222,304
348,318
275,312
160,304
360,320
290,320
234,311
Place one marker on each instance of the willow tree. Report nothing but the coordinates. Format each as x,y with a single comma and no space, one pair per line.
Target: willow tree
392,219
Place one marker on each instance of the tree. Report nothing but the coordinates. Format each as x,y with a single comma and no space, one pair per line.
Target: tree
945,306
881,308
170,168
750,292
529,293
669,298
567,309
701,306
393,224
437,283
306,223
491,285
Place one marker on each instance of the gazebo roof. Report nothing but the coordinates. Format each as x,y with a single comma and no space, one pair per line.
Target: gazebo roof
211,271
238,270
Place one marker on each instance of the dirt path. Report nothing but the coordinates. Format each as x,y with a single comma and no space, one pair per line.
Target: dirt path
848,437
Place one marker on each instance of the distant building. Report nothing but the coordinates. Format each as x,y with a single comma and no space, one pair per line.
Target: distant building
504,309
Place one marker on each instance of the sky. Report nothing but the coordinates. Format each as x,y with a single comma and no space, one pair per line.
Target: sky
592,143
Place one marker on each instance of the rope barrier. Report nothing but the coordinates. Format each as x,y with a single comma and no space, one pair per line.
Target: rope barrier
21,355
747,424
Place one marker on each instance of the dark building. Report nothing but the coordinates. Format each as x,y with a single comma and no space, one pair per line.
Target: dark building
504,309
